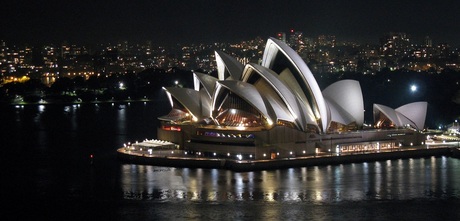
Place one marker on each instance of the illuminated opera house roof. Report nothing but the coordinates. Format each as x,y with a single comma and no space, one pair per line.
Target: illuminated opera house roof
281,90
410,115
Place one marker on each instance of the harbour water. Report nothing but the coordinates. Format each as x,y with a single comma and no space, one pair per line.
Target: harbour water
59,163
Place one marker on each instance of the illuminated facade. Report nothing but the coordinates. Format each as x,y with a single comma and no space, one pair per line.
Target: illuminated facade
276,109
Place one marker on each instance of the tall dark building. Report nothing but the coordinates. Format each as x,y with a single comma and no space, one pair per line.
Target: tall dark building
428,42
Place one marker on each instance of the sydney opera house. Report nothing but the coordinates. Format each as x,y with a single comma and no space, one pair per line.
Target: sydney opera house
275,109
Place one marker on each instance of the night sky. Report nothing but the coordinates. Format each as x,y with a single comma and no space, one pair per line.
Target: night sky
174,21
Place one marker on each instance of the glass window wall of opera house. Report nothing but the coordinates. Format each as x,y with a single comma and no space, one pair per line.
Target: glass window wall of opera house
275,109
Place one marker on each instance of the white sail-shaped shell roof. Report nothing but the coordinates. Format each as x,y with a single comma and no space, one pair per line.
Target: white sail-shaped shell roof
208,82
301,74
248,93
412,114
347,95
228,67
205,103
188,98
416,112
300,112
338,114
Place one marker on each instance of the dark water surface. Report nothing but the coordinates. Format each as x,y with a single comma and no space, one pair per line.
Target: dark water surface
47,174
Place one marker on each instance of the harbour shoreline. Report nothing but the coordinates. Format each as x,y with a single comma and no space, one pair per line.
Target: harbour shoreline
171,160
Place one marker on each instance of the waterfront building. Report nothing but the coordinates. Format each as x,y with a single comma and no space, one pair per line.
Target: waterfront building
276,109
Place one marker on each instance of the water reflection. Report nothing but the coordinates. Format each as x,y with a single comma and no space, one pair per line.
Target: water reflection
53,173
121,124
385,180
41,108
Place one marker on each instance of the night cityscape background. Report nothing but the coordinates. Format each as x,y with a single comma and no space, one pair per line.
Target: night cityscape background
123,70
78,79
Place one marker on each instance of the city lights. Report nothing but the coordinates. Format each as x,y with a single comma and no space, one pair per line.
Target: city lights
254,110
67,59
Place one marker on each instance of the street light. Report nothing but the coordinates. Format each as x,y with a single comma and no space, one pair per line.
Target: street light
413,88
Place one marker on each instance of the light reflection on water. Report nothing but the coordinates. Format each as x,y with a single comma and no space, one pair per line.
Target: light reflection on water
53,175
385,180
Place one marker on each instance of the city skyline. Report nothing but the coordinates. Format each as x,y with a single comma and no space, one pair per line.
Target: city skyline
166,22
324,54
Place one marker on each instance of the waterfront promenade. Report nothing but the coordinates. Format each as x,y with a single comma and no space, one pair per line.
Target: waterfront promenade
178,158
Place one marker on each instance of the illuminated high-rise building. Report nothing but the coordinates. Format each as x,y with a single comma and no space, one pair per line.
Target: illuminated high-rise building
65,50
296,40
50,56
2,51
395,44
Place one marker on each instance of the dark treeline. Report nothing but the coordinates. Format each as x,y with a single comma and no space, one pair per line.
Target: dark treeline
390,88
130,86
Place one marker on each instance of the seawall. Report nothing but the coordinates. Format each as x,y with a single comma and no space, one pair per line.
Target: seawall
254,165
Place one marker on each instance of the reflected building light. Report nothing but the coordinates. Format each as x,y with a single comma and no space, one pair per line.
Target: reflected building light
304,173
319,196
388,163
269,197
179,194
195,196
212,196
